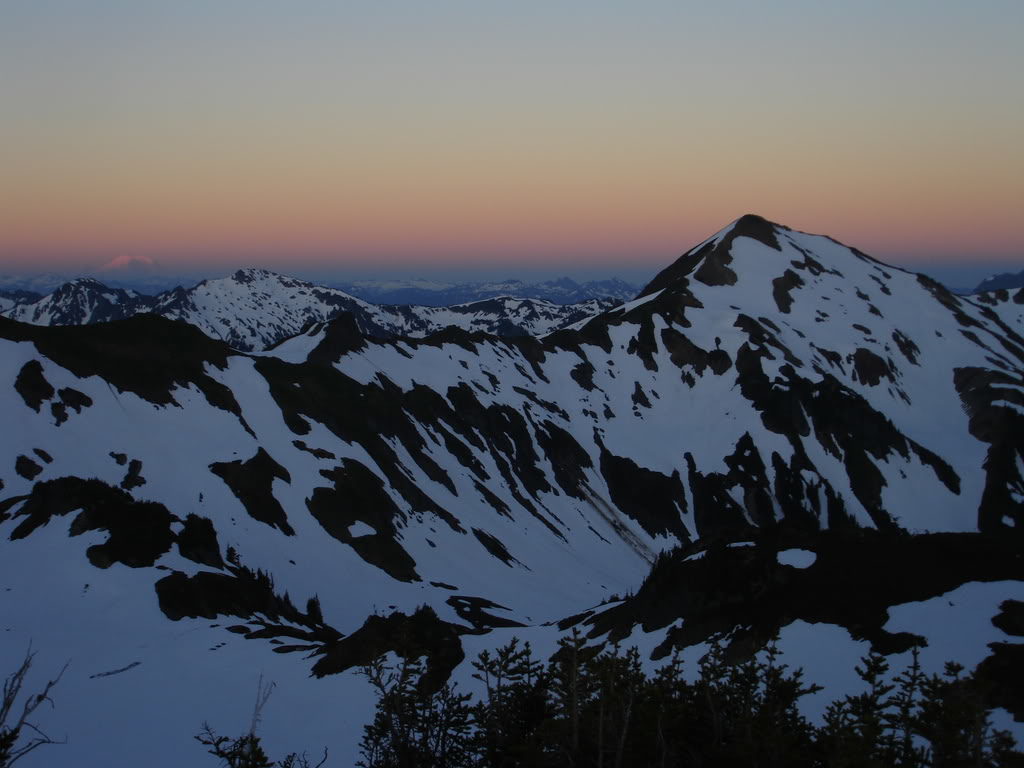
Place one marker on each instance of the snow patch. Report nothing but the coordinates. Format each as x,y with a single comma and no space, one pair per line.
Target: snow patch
359,528
797,558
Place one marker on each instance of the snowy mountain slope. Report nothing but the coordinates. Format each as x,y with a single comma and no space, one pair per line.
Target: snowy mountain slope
769,387
79,302
499,316
11,298
1008,305
705,356
442,294
254,308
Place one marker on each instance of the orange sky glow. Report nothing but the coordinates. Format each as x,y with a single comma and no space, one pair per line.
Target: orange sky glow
466,135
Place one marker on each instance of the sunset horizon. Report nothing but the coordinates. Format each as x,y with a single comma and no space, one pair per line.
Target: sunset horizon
159,268
347,137
549,383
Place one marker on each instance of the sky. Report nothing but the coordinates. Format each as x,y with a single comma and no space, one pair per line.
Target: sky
562,135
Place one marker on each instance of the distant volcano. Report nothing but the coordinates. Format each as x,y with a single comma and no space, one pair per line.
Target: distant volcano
127,264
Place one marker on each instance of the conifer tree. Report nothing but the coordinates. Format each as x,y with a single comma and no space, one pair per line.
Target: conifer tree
246,751
412,728
593,707
509,719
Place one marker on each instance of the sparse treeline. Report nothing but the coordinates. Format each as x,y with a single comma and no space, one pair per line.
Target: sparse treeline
599,708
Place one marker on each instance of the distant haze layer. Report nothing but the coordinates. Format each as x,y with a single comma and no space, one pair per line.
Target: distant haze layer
464,133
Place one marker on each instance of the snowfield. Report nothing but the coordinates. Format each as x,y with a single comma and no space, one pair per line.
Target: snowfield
774,412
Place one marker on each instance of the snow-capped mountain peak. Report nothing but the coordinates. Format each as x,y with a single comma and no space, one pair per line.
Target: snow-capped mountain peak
771,393
254,308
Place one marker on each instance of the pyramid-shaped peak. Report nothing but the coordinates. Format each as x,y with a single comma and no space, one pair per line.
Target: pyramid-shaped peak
708,261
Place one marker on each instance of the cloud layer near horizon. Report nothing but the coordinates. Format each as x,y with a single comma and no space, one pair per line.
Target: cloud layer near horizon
413,133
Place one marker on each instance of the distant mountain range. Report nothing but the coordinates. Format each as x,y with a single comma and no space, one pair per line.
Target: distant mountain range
1005,281
777,436
253,309
433,293
439,294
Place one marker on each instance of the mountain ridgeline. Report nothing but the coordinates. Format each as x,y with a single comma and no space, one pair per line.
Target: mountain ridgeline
253,309
1005,281
645,474
433,293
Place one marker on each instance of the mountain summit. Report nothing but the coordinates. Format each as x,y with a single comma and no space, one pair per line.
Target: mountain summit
780,434
708,262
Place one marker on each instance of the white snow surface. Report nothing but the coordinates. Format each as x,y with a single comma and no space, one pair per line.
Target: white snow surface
797,558
1005,304
179,673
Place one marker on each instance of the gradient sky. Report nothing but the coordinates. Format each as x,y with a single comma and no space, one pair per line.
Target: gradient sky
391,132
